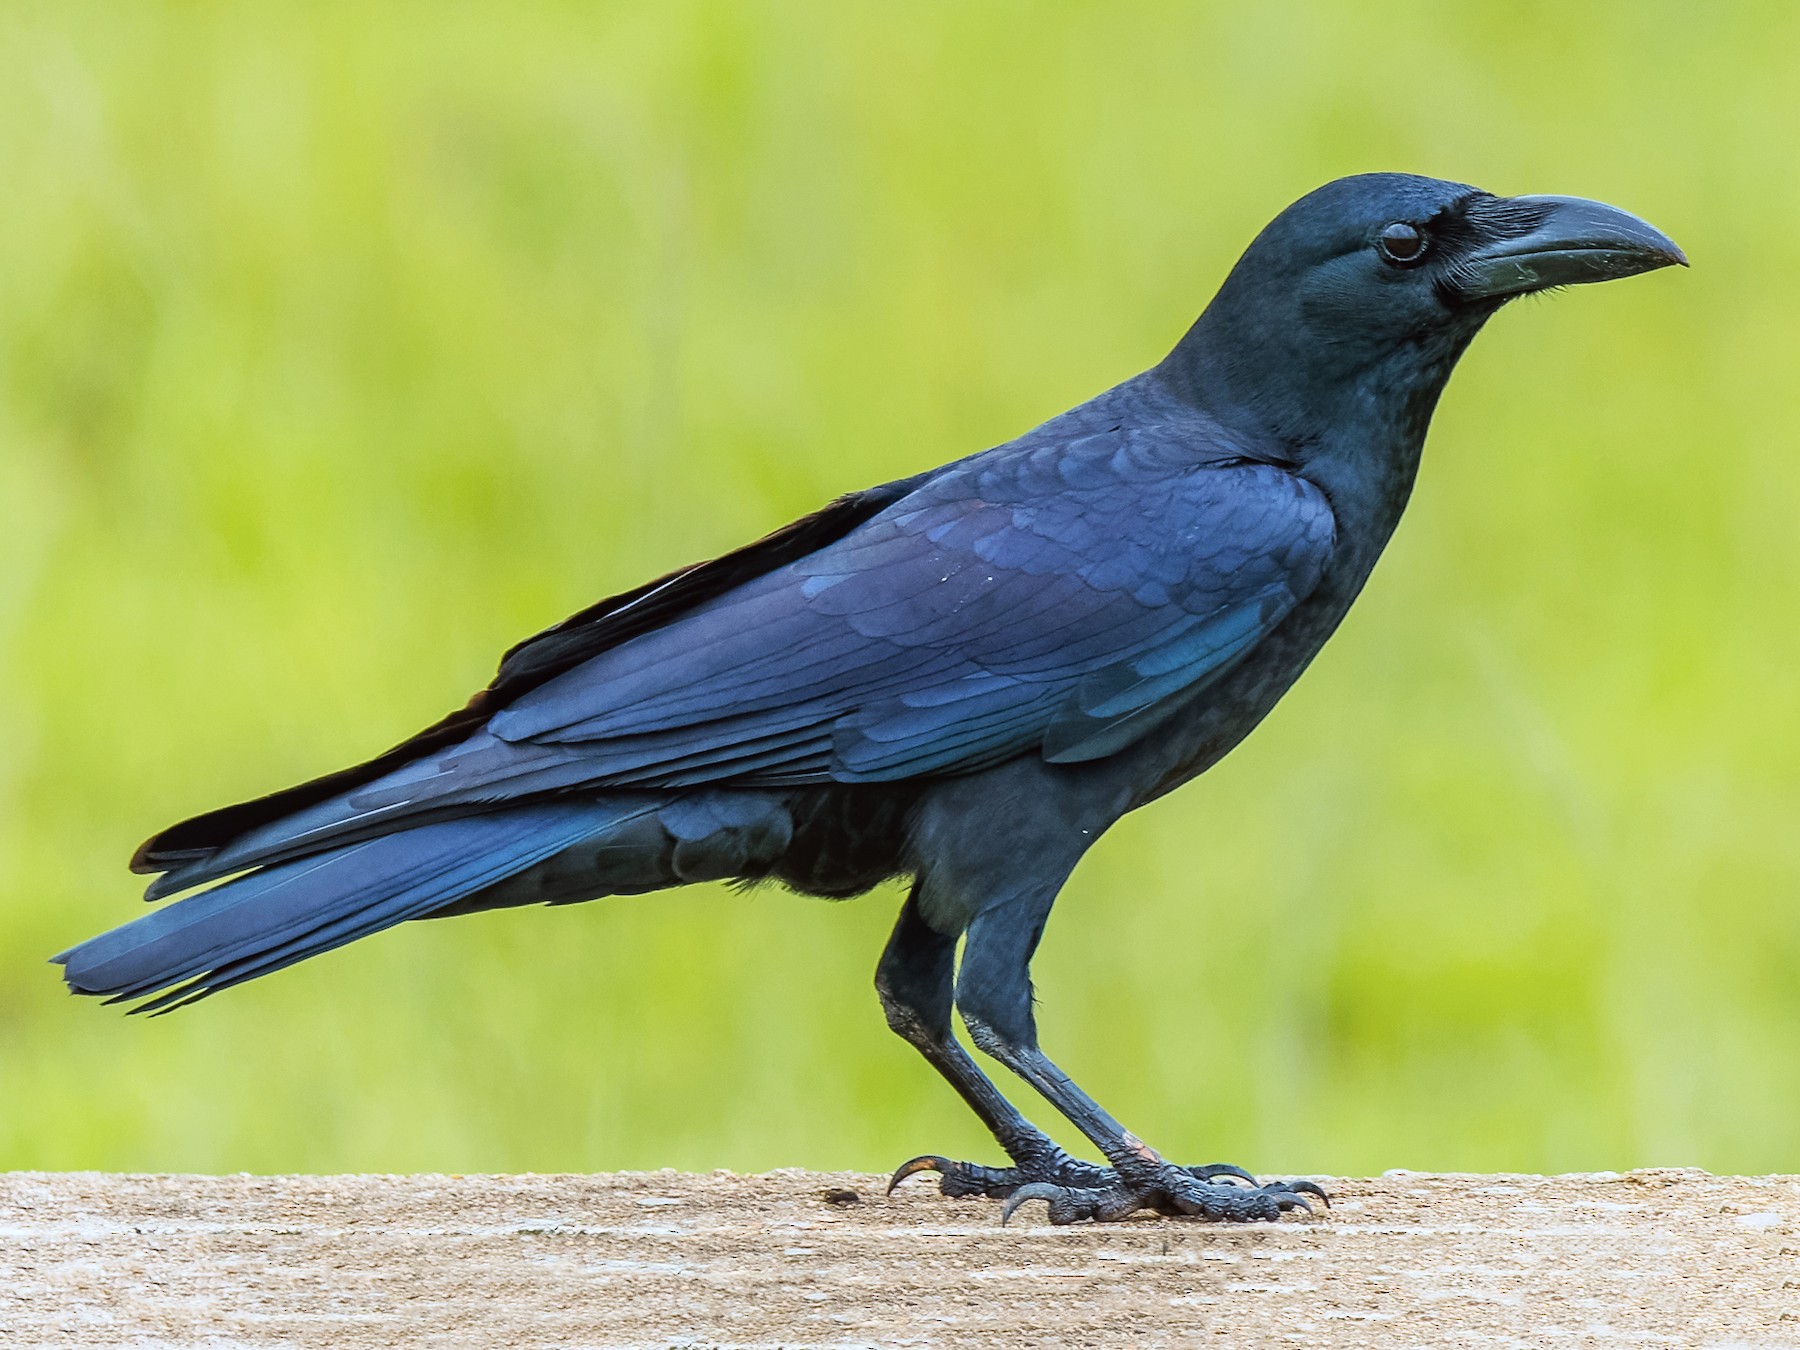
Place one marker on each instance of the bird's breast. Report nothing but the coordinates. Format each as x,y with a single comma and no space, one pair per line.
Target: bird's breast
1229,708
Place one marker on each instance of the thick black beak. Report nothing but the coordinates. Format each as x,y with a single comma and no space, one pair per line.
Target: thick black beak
1570,241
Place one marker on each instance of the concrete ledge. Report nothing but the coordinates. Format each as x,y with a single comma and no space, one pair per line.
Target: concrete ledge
666,1259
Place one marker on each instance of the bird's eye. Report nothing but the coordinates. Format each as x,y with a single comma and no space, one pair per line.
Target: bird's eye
1401,244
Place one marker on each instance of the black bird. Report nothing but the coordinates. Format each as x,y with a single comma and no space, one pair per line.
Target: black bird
962,678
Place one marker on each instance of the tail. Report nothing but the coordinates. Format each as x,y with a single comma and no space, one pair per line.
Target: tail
272,918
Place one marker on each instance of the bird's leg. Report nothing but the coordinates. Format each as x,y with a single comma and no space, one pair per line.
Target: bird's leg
915,981
993,993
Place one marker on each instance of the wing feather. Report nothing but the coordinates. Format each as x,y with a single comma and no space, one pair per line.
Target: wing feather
967,623
1061,599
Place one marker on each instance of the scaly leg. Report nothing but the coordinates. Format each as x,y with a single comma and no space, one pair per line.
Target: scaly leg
915,982
993,993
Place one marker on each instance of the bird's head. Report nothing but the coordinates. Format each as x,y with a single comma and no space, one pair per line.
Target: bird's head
1356,300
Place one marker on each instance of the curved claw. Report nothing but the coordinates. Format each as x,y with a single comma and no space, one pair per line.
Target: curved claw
925,1162
1215,1170
1299,1187
1286,1200
1037,1190
1309,1188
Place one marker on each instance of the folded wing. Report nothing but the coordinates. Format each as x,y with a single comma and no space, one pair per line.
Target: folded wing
979,618
1062,601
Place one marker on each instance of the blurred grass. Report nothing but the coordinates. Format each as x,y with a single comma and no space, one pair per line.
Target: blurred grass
342,345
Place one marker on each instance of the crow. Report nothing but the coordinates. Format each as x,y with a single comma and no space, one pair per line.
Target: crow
959,679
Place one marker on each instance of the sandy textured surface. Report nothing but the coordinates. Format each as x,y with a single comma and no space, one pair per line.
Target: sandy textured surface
663,1259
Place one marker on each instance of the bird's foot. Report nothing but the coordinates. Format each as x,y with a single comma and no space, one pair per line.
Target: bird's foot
1039,1166
1169,1189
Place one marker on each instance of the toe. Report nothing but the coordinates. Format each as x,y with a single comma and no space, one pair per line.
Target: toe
1228,1203
959,1179
1075,1204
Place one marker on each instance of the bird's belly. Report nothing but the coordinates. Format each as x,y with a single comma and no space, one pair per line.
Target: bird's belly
846,837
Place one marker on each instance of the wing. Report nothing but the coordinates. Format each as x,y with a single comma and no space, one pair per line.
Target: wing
529,664
1064,600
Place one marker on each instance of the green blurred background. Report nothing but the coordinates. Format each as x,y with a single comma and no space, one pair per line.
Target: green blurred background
341,345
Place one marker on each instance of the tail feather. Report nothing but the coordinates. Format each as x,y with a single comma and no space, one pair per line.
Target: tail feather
259,923
463,780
